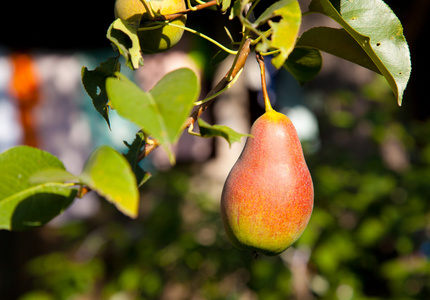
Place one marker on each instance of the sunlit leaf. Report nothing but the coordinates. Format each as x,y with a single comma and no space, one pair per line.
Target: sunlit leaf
378,31
109,174
284,18
208,131
124,37
160,112
24,204
236,9
223,4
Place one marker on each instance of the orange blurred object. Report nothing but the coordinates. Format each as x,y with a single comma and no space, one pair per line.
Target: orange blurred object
24,87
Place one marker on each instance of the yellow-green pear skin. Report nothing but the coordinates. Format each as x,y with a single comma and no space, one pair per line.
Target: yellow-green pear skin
153,40
268,197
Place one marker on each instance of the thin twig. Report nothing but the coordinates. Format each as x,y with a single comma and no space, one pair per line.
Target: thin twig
219,45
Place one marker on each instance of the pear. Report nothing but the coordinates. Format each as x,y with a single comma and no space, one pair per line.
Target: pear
268,196
153,39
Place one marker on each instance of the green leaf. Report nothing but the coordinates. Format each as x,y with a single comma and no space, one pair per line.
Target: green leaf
124,36
132,156
338,42
101,162
53,175
94,84
109,174
24,204
160,112
304,64
284,30
237,8
223,4
208,131
376,29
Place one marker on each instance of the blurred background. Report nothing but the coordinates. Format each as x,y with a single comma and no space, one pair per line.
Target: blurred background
369,235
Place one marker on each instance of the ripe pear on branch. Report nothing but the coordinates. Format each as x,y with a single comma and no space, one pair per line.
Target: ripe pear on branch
267,199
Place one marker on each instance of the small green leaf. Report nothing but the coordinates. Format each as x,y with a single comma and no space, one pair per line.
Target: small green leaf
124,36
132,154
134,104
223,4
377,30
304,64
175,95
162,111
109,174
94,84
237,8
284,30
208,131
135,147
24,204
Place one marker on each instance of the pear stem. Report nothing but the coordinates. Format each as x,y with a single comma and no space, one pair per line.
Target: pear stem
267,104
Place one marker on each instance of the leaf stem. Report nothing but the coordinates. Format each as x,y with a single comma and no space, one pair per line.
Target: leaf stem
267,103
190,6
270,52
229,51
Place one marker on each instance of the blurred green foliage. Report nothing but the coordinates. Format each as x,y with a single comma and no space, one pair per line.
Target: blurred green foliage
368,238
